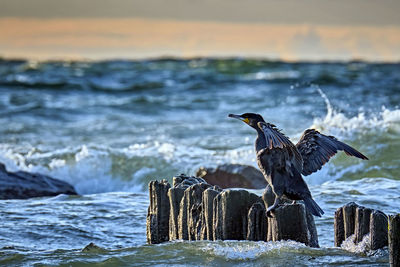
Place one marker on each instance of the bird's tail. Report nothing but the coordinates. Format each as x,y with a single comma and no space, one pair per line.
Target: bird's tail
313,207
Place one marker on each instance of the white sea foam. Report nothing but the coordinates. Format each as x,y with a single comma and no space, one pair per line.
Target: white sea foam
244,250
89,172
338,123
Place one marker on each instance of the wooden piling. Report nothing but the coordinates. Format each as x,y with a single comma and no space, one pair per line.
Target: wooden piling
194,210
378,229
257,223
339,227
157,226
361,226
394,240
349,213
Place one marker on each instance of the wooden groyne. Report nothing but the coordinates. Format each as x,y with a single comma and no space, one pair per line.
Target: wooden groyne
354,221
192,209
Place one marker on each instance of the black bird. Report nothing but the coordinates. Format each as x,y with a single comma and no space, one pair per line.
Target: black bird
283,163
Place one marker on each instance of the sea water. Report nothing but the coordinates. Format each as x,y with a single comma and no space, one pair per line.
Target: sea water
110,127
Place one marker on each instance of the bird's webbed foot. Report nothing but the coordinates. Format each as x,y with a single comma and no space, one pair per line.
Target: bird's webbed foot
273,207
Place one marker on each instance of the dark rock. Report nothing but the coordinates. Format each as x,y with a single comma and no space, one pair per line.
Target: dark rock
22,185
92,247
157,222
233,176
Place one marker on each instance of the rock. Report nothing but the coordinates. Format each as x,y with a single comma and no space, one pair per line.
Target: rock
233,176
22,185
92,247
157,222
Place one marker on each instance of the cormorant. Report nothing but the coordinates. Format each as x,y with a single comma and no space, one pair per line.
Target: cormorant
282,163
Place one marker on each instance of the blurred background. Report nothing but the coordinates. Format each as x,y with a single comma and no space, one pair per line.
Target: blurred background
288,29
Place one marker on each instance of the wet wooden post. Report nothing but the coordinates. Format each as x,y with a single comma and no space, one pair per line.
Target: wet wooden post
157,225
378,229
349,213
175,196
361,223
194,210
339,227
231,209
257,223
290,221
208,211
394,240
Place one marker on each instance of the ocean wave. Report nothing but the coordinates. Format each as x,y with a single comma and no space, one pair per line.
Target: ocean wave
92,169
339,123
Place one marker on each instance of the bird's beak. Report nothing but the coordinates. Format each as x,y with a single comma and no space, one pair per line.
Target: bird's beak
246,120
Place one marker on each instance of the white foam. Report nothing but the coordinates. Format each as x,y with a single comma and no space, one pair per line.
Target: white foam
338,123
89,172
245,250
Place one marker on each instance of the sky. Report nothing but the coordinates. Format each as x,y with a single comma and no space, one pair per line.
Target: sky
277,29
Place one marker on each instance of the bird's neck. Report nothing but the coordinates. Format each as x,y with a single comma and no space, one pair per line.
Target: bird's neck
260,141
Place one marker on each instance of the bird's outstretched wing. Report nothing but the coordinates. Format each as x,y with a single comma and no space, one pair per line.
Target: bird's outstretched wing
316,149
275,140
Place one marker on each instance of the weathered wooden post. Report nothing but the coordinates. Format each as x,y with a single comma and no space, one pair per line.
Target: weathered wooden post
349,214
175,195
290,221
195,210
378,229
339,227
157,226
361,223
231,209
394,240
208,211
257,223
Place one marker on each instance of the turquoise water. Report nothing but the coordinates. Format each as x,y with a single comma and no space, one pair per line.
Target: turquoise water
110,127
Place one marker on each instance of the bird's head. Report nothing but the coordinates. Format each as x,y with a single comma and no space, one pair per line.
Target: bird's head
249,118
